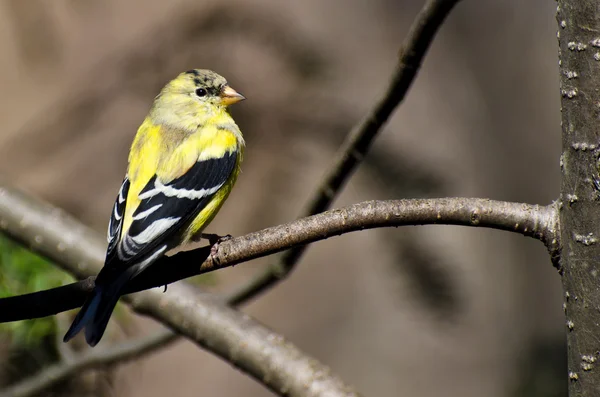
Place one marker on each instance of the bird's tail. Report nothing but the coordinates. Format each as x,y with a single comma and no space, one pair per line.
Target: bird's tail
96,311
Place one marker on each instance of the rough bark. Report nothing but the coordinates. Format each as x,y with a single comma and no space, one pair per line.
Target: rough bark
579,54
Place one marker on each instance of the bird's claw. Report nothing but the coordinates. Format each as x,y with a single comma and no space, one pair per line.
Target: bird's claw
213,254
215,240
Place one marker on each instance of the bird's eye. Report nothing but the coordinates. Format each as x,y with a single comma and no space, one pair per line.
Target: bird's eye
201,92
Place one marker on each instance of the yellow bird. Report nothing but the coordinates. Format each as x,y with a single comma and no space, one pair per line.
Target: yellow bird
183,163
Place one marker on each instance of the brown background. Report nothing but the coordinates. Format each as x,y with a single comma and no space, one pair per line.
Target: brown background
414,311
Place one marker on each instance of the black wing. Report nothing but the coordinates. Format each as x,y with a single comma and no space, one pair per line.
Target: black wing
164,208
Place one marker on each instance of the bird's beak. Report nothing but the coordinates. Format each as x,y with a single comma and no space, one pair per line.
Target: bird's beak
229,96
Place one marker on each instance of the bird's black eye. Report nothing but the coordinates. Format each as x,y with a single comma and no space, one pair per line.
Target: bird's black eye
200,92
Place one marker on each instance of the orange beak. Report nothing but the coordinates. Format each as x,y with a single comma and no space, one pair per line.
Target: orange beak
229,96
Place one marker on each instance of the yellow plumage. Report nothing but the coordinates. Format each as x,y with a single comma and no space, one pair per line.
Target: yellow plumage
183,163
207,214
169,154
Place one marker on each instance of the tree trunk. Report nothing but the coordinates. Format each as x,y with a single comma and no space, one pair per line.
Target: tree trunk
579,54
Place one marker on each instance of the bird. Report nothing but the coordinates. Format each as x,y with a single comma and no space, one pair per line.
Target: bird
183,163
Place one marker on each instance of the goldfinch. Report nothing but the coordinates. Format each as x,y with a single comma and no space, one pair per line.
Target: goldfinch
183,163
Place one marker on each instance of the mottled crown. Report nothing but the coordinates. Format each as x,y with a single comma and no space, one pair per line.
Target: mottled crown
207,79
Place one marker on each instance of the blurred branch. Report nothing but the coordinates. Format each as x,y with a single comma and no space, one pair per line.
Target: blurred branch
257,24
351,153
237,338
187,37
59,372
205,319
36,34
360,138
80,251
210,323
240,340
202,317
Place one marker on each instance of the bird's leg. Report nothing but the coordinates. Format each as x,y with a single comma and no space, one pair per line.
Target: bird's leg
214,240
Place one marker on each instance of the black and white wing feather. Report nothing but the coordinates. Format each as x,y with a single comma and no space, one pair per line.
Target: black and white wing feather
116,219
164,208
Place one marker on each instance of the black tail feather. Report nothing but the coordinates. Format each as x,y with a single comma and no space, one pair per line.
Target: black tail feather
96,311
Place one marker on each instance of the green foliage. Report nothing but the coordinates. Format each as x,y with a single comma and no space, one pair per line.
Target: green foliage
21,272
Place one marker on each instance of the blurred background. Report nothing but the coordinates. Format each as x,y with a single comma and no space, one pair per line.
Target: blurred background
424,311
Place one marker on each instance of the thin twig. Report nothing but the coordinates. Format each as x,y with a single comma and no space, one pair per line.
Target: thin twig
39,226
360,138
118,354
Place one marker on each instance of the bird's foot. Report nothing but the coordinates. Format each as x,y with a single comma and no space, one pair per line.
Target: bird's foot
215,240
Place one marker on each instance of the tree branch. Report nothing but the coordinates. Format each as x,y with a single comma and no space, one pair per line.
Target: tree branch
56,235
209,322
241,341
349,157
246,344
59,372
350,154
360,138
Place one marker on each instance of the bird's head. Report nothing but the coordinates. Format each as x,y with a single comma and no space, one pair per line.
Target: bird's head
192,96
